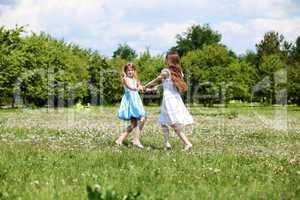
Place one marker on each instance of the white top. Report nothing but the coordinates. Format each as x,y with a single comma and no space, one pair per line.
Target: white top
173,110
168,85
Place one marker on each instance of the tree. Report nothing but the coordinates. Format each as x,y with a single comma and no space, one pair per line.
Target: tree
294,74
216,75
125,52
196,37
11,61
296,51
149,67
97,68
270,67
250,57
273,56
56,68
293,78
112,86
273,43
37,66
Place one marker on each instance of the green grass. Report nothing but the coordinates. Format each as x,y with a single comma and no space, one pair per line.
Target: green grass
239,153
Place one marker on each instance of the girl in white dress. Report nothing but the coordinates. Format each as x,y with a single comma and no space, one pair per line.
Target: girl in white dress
173,112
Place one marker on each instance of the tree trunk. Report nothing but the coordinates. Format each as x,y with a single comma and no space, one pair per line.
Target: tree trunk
13,102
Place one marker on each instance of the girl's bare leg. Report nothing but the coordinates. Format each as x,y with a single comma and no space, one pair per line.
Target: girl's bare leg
165,130
136,140
182,136
125,134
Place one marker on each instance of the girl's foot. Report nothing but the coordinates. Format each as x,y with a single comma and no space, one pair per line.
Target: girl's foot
118,143
138,144
187,147
167,146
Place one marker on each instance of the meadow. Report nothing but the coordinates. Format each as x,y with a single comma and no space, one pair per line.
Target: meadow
69,153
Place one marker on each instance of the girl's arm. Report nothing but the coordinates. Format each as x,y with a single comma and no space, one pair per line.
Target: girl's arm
163,75
140,86
154,82
153,89
126,83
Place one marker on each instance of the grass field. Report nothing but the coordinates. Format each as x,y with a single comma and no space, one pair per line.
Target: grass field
239,153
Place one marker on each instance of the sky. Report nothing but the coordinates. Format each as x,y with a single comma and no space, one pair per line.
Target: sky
104,24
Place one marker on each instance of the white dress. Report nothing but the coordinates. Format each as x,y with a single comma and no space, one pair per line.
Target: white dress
172,110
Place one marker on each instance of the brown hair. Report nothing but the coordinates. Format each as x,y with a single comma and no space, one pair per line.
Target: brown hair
126,67
176,72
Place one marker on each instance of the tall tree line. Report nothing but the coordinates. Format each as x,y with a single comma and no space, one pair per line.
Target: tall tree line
40,70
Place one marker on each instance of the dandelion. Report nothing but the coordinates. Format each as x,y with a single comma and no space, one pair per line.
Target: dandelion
292,161
36,183
97,188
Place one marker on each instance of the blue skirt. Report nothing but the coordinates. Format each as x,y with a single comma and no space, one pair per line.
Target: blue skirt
131,106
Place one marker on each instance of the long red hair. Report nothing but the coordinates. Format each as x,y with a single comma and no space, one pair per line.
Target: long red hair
176,71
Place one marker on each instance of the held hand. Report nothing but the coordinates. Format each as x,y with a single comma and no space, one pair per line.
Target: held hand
148,90
144,89
153,89
141,88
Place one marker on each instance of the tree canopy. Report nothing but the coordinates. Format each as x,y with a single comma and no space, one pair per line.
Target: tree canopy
196,37
124,51
37,69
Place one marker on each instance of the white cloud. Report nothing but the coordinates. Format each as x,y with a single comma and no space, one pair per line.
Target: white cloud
266,8
252,31
46,15
163,36
103,24
289,27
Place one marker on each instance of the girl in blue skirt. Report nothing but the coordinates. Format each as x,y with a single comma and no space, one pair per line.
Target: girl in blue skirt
131,107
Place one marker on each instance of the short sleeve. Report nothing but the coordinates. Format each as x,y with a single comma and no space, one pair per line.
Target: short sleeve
131,82
165,73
